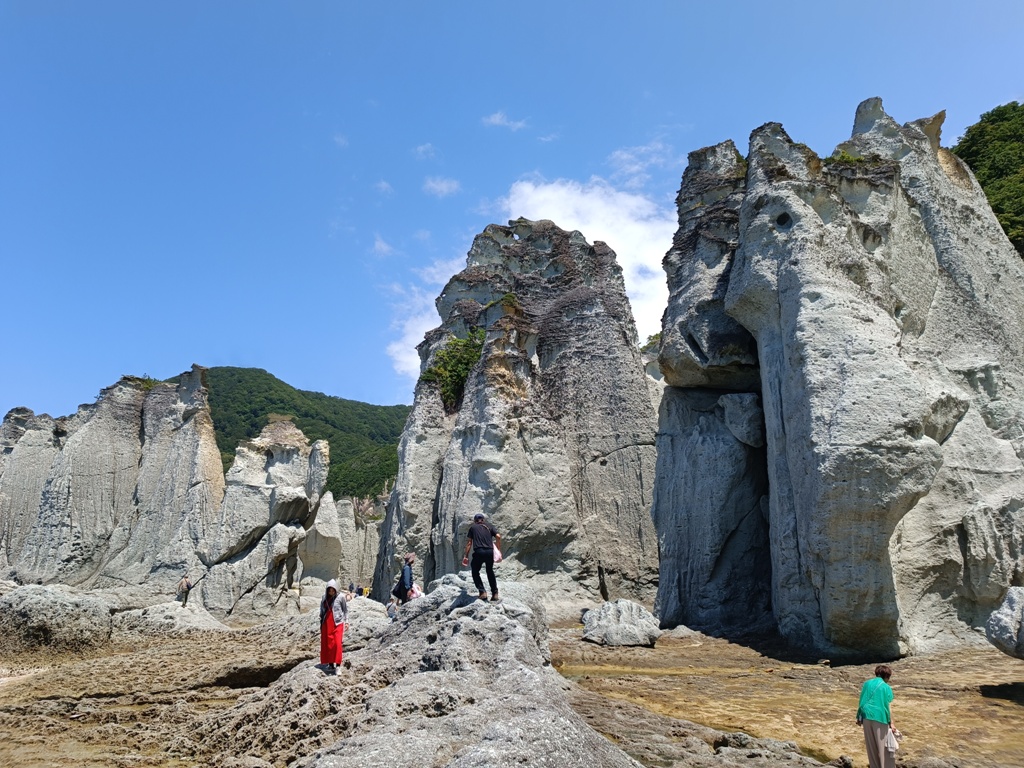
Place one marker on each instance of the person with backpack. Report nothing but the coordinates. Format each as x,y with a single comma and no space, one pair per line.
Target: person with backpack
482,538
333,618
403,589
184,587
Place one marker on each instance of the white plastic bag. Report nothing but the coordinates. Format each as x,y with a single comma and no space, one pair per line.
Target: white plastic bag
497,555
891,743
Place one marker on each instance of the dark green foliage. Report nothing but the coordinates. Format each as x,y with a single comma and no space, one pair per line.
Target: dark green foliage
994,148
452,365
842,157
653,343
363,437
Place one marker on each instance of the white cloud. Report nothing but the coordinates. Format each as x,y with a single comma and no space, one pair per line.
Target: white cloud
501,120
424,151
384,188
440,186
630,164
381,247
341,140
634,226
417,316
423,235
440,272
549,137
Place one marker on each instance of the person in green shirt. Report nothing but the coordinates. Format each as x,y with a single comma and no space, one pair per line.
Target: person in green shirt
875,715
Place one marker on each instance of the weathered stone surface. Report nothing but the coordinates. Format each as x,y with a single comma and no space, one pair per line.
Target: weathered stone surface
715,559
129,494
554,437
165,619
455,682
35,616
1003,628
620,623
885,303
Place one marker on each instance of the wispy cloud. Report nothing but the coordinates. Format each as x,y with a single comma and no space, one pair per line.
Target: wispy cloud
638,229
384,188
440,186
424,151
501,120
423,235
340,140
631,164
416,314
381,247
440,272
549,137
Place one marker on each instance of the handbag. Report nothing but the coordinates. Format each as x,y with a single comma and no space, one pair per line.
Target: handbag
497,555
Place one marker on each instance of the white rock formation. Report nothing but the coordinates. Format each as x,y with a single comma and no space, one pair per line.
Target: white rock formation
128,494
622,622
553,439
881,306
1004,626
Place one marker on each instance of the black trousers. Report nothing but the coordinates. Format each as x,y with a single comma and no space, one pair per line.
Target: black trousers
484,557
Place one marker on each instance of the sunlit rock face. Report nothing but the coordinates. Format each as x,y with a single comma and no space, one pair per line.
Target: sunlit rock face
553,438
880,304
129,494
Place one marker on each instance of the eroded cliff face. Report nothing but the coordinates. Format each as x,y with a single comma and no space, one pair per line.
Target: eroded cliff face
554,437
873,306
129,494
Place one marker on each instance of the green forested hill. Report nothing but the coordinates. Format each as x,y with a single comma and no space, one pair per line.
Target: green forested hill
994,148
363,437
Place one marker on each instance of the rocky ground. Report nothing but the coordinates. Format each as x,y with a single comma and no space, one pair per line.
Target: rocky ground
255,698
962,708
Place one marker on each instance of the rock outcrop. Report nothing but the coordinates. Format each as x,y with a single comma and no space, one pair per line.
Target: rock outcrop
870,304
622,622
1004,627
36,617
129,493
553,437
454,682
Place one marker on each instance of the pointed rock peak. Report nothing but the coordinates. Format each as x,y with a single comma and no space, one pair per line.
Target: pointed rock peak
869,112
932,128
721,160
775,156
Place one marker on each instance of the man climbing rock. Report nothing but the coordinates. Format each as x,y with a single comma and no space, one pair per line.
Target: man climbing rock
482,538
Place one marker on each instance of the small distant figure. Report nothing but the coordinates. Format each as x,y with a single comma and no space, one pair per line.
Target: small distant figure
482,537
333,618
351,587
407,579
393,609
184,587
875,715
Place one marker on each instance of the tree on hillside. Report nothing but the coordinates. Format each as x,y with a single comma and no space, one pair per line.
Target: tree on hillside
994,148
363,437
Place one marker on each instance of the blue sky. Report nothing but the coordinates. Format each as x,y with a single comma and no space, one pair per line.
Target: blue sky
289,185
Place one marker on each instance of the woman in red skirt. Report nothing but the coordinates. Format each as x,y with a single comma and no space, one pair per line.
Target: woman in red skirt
333,616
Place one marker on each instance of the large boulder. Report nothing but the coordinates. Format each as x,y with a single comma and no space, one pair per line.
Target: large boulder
37,617
454,682
873,307
553,435
621,623
1004,626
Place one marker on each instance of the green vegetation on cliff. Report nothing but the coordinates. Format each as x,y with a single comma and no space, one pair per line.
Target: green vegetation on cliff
363,437
994,148
453,363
